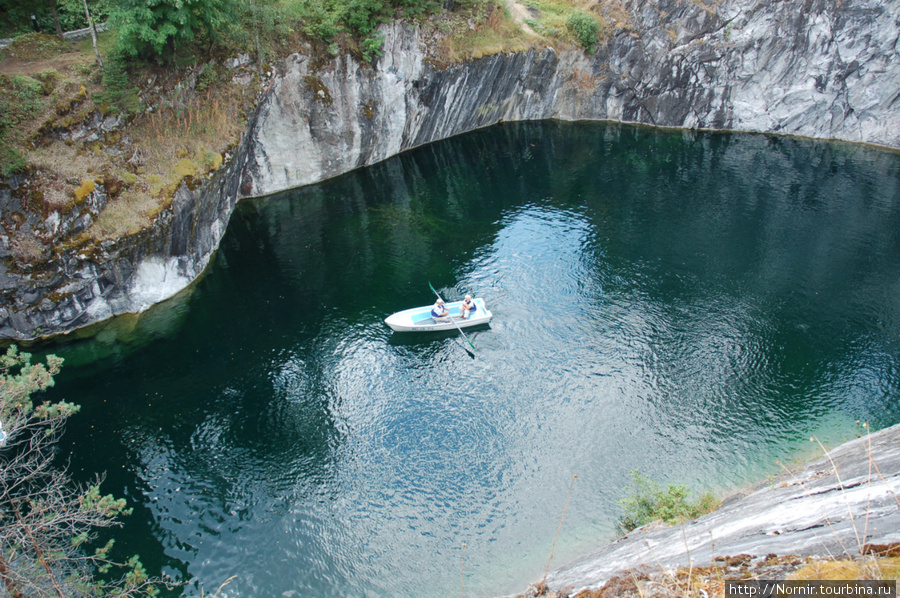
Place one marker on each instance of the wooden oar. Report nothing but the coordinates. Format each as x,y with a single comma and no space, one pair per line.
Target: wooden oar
455,324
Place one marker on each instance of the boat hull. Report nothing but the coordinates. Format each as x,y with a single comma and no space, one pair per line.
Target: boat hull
418,319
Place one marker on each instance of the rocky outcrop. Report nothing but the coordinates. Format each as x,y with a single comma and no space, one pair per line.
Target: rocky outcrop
95,280
801,67
843,504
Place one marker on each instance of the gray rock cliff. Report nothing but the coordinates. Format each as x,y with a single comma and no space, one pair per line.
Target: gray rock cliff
800,67
812,68
90,283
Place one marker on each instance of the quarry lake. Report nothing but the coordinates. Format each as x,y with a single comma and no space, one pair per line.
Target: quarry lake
692,305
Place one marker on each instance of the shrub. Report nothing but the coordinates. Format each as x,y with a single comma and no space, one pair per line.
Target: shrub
647,502
585,29
20,102
120,95
152,30
371,47
47,521
11,161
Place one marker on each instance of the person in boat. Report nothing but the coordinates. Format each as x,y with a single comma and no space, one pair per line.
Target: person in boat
439,312
467,307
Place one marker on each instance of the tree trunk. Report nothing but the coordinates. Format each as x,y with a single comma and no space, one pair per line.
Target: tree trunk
59,30
90,21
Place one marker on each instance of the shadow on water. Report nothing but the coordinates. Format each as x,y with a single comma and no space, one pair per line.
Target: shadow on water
438,338
116,338
407,339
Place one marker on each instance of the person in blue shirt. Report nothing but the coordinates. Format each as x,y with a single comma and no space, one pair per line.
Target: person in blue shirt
467,307
439,312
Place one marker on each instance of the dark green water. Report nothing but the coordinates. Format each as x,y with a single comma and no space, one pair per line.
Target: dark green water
694,305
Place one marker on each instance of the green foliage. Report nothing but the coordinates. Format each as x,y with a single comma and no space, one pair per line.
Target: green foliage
19,379
261,22
11,160
107,506
23,99
20,101
371,47
362,16
329,20
415,8
210,76
585,29
71,13
647,502
152,30
119,95
15,15
46,521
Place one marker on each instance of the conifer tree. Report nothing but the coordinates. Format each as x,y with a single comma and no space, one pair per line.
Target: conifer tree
48,523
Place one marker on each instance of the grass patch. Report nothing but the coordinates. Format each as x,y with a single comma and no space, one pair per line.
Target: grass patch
488,30
44,83
179,142
174,133
21,102
647,502
36,46
568,22
857,569
125,215
66,162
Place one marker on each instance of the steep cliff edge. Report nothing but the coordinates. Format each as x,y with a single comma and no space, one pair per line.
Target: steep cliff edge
815,69
811,67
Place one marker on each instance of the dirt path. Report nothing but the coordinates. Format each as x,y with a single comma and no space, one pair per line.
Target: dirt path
15,66
519,13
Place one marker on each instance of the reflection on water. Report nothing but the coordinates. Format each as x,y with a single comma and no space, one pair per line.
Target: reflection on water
693,305
118,337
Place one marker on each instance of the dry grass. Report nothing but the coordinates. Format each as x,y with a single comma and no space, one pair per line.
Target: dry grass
491,32
207,123
615,14
865,568
127,214
68,175
25,248
183,135
67,162
177,143
551,19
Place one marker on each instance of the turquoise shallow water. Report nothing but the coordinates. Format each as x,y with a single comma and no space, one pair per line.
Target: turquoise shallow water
694,305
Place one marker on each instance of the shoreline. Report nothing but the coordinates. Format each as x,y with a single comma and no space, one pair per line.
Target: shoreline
837,504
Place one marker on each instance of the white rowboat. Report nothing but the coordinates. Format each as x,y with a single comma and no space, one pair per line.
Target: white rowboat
418,319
